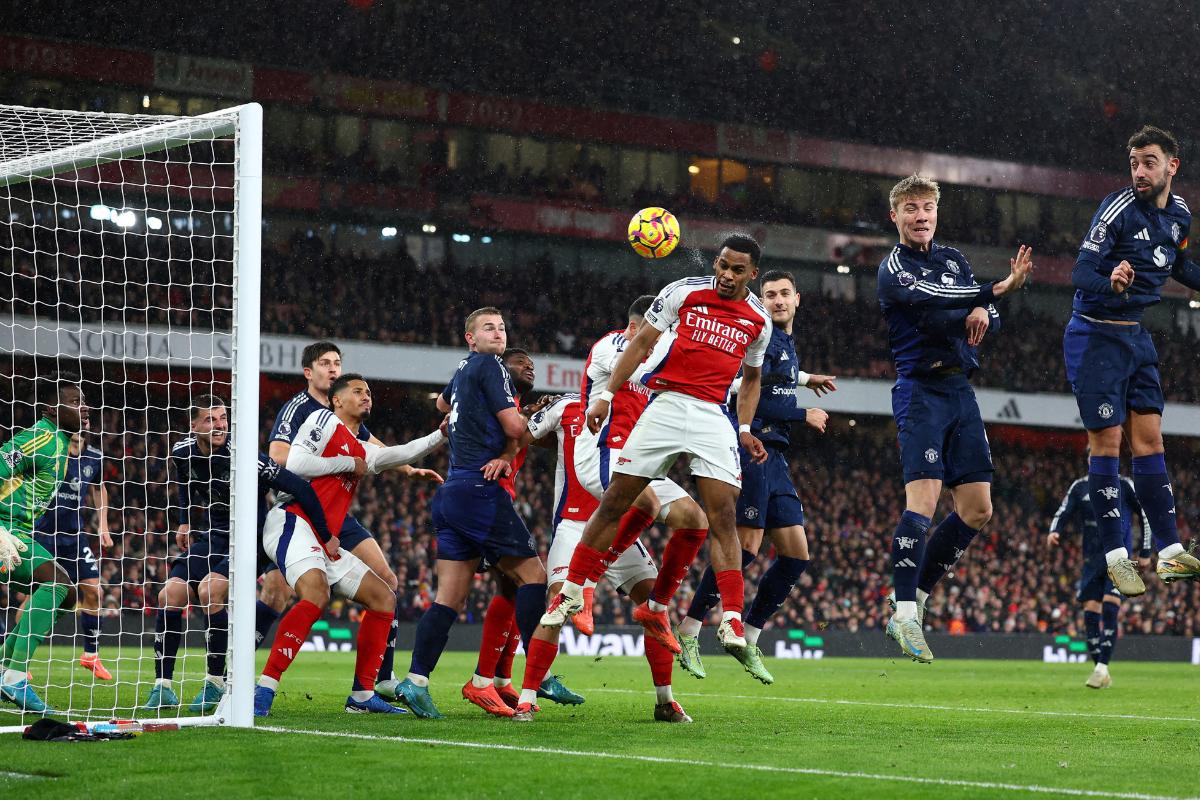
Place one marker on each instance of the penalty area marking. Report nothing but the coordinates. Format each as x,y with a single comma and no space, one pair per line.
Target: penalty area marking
691,762
24,776
920,706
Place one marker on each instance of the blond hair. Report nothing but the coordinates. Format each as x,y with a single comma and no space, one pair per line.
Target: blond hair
914,186
481,312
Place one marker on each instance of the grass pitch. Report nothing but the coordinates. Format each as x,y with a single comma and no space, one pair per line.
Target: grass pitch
832,728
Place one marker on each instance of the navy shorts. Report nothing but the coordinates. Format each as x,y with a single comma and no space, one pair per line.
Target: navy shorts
200,559
72,552
1112,368
768,498
941,431
476,519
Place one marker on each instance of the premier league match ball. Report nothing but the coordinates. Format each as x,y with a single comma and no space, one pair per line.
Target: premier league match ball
653,232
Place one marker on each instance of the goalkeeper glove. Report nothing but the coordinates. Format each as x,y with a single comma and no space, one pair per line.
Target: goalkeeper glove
10,551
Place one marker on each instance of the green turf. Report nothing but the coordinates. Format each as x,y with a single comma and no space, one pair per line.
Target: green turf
857,716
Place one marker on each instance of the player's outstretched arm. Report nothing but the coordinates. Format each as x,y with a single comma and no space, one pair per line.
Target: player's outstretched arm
100,501
1020,269
631,358
1186,271
381,459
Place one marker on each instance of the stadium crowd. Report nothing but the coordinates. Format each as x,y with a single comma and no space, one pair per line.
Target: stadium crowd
1009,581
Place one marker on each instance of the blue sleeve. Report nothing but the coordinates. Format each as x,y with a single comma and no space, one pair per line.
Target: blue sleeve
948,323
446,393
1186,271
297,487
1089,273
781,407
496,384
183,509
994,317
903,288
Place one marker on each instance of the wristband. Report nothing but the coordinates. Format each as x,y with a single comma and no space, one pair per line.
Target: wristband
743,429
606,396
803,378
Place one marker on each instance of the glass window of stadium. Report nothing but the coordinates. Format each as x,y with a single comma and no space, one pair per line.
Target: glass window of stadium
390,145
633,166
705,175
164,104
533,155
795,187
664,172
347,135
500,150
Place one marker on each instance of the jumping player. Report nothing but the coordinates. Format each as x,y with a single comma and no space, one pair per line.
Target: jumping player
1137,241
330,452
937,315
717,325
768,500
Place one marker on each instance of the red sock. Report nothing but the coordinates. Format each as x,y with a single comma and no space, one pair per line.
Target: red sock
504,666
732,587
629,529
538,662
500,617
292,633
677,559
583,563
660,659
373,631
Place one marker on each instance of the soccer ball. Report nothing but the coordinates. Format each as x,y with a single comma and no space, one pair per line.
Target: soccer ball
653,232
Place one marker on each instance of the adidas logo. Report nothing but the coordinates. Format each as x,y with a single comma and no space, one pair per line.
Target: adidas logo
1010,410
1143,234
784,357
345,448
1112,513
906,562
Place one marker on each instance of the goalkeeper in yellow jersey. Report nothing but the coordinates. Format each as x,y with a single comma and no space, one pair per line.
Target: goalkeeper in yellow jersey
33,464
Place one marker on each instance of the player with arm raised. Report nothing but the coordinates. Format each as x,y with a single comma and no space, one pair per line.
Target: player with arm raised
1137,241
717,325
937,315
200,464
33,464
768,502
329,451
1101,602
474,515
63,531
322,364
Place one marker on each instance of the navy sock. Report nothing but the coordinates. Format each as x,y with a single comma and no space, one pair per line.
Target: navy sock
707,596
216,639
946,545
1153,487
90,624
908,548
1091,625
264,618
1108,631
1104,486
530,605
774,588
168,632
388,665
432,633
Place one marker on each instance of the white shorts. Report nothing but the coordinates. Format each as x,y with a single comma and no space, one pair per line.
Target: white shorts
594,468
295,549
677,424
634,566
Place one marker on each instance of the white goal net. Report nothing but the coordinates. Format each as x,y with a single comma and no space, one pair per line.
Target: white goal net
129,247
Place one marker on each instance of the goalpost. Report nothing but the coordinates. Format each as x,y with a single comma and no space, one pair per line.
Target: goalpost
130,249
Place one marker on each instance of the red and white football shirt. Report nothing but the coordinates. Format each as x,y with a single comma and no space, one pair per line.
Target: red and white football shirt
324,435
628,402
711,338
565,418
